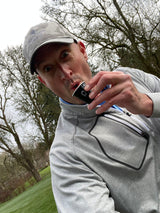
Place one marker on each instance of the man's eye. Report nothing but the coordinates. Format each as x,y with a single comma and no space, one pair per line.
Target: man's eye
65,54
47,68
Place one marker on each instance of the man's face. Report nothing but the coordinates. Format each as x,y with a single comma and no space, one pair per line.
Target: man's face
62,67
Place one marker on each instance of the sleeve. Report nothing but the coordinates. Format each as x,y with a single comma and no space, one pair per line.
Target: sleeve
151,82
77,188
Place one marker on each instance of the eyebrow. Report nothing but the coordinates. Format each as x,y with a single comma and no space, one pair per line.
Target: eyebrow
56,46
38,61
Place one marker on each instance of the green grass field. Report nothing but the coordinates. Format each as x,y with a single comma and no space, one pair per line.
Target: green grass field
37,199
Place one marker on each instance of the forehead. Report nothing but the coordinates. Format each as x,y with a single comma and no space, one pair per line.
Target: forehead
43,51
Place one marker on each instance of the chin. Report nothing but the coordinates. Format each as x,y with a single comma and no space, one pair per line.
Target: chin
77,101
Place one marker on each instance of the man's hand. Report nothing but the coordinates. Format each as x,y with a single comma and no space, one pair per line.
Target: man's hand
122,92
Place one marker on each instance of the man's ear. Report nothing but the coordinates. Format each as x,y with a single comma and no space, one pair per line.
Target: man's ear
41,80
83,49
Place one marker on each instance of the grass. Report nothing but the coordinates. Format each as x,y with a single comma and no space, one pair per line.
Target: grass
37,199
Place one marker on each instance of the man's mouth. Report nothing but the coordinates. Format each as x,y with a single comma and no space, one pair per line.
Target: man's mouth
75,85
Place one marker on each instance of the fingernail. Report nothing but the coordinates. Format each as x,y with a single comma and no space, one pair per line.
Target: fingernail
98,111
86,87
91,95
89,106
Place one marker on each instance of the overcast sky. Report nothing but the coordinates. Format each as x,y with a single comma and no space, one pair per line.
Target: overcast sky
16,17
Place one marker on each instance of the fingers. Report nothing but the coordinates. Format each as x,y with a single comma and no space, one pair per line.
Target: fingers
106,95
94,81
122,92
102,79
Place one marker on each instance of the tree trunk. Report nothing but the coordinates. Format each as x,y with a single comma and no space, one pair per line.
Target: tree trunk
35,174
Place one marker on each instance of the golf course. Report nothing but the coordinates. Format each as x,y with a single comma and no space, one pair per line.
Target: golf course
36,199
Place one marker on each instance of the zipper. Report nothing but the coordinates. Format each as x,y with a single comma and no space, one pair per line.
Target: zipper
127,124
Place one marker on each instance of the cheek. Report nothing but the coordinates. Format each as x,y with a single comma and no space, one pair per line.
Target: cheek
86,70
83,65
56,87
49,84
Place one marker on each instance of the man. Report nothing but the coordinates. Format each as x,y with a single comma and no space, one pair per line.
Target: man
104,159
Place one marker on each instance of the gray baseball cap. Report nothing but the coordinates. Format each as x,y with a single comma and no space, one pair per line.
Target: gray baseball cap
41,34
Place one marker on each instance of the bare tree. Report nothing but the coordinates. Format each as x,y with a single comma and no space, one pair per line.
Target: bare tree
24,102
119,32
7,129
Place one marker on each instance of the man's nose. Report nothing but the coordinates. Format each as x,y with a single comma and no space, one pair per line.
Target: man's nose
65,72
